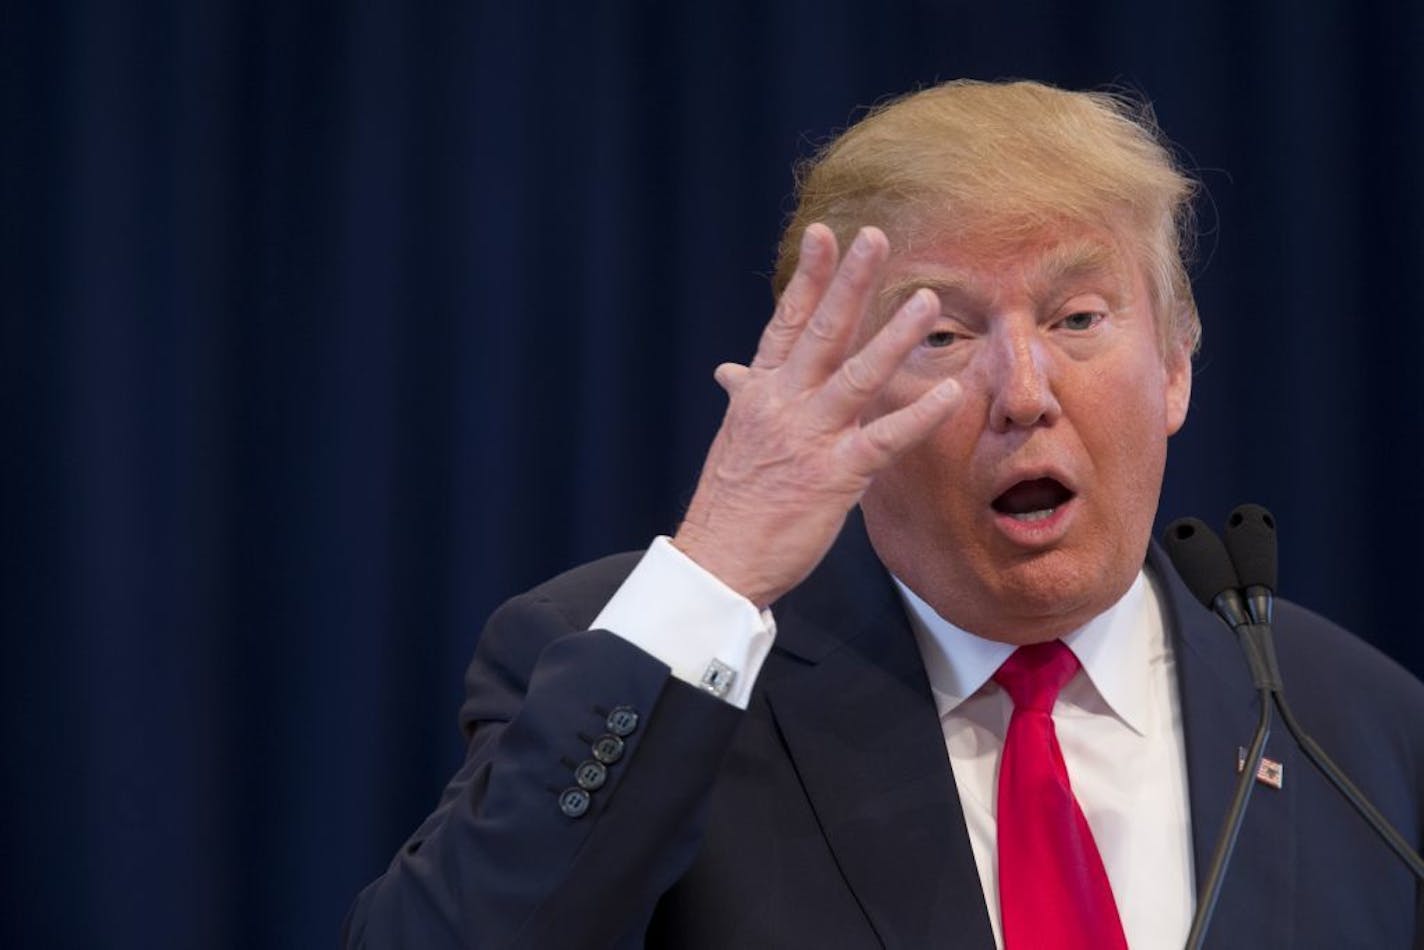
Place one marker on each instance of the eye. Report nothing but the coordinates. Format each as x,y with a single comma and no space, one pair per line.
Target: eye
941,338
1084,320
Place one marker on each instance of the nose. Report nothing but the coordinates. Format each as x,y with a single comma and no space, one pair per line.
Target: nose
1021,381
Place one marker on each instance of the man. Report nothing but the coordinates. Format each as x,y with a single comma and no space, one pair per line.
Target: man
909,674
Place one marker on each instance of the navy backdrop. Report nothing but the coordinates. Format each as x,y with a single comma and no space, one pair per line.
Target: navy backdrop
329,326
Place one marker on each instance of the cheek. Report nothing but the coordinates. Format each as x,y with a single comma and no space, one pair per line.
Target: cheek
1128,397
1128,441
935,475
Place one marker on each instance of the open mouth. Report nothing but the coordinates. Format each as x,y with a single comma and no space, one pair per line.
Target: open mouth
1032,500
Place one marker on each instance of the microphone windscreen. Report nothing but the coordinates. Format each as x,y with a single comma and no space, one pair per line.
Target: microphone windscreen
1200,558
1251,542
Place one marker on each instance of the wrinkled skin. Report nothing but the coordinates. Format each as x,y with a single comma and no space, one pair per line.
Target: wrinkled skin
1063,375
1037,361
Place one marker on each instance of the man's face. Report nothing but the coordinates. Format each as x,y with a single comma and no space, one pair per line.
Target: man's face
1029,511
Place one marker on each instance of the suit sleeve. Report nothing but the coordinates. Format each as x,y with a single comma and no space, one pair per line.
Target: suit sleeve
517,853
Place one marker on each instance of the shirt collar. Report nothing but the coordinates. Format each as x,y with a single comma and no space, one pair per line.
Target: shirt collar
1115,649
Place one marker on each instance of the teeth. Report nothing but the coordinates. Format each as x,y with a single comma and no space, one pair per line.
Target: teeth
1038,515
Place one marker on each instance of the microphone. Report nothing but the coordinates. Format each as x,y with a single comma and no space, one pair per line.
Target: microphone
1210,573
1251,543
1207,568
1205,565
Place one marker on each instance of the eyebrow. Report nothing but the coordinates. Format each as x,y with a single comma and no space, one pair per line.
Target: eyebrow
1085,258
1061,263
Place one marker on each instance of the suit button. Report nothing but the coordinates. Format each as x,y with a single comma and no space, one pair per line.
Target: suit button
608,749
573,802
622,720
590,775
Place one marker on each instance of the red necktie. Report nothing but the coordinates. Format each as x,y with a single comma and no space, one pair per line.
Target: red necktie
1053,891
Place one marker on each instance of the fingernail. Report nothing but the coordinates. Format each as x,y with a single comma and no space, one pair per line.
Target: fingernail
947,390
861,246
807,242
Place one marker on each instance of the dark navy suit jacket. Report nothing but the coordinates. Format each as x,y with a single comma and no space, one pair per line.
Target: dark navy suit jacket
826,814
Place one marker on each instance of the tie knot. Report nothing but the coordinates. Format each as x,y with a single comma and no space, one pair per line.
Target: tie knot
1035,673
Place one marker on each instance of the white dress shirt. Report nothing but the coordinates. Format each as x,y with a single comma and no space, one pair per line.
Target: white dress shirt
1118,720
1120,727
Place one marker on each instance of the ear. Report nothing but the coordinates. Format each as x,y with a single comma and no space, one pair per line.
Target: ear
1178,365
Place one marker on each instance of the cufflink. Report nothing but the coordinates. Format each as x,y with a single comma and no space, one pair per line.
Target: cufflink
718,678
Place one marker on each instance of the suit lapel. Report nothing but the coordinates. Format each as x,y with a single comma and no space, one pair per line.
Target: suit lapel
864,735
1219,712
862,730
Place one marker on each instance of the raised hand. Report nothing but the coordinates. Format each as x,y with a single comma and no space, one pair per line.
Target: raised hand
793,455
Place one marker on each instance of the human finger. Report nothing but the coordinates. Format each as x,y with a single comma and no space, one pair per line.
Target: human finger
863,373
878,442
730,377
815,265
822,344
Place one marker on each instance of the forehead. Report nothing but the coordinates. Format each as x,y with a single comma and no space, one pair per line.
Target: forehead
1037,263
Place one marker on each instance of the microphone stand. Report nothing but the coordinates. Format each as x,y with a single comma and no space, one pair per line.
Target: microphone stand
1251,546
1259,633
1266,678
1251,537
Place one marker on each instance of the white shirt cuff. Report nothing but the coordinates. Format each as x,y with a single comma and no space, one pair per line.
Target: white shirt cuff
707,633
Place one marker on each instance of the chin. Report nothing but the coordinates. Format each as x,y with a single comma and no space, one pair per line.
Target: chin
1065,589
1050,597
994,590
1034,598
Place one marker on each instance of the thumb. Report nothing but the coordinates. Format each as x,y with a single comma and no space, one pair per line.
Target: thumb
730,376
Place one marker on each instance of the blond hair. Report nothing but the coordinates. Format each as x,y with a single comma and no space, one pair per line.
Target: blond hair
1001,161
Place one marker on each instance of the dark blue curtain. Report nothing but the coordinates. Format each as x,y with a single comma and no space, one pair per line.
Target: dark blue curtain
326,327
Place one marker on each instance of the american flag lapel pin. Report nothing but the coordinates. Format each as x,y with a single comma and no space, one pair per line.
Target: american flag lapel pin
1270,773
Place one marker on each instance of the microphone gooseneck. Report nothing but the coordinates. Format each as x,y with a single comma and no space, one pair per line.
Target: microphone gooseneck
1251,543
1206,567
